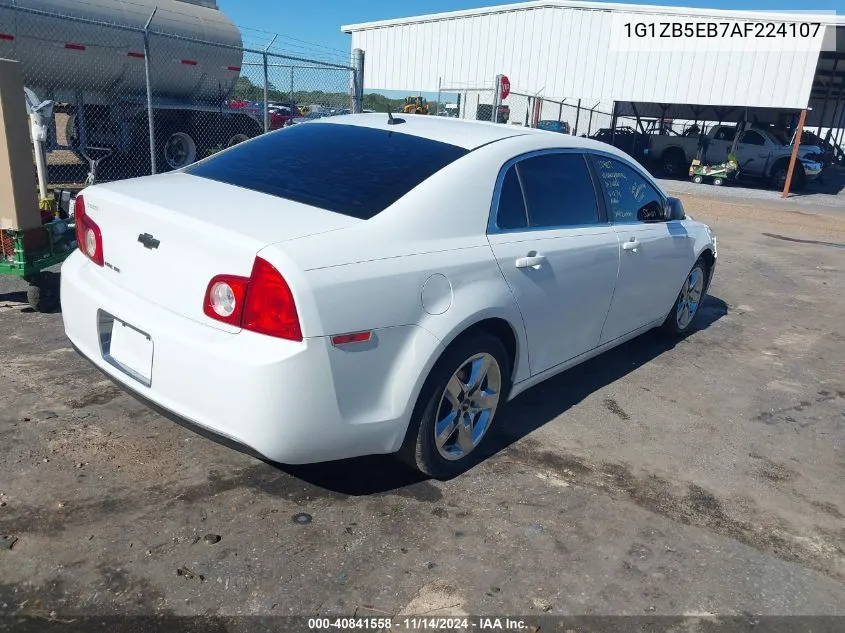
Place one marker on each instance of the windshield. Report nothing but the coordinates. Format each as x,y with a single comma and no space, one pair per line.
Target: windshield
349,169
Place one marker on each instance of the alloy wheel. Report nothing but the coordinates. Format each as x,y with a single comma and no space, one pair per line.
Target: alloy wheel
690,298
467,406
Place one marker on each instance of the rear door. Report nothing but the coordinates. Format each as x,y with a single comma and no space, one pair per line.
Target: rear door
655,255
556,251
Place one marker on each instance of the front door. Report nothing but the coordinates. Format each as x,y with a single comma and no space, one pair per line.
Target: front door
655,255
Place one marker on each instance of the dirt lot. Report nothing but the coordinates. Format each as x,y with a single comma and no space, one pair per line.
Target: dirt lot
703,477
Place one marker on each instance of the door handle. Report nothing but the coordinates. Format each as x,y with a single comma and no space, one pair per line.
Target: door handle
531,261
632,245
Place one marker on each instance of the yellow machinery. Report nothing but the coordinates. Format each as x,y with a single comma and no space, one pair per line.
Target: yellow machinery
415,105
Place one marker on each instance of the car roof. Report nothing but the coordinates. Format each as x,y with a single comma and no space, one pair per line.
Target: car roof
461,132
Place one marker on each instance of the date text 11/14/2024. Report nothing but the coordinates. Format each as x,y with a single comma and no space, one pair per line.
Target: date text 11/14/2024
420,624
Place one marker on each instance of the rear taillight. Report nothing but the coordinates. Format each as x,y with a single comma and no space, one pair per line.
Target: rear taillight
88,234
261,303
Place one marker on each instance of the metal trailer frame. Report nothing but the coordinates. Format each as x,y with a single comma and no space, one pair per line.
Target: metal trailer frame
28,253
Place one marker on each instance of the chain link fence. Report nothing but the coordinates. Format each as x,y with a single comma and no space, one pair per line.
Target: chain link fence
151,93
578,117
520,107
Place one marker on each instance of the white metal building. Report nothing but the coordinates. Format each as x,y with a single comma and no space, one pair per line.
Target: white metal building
575,50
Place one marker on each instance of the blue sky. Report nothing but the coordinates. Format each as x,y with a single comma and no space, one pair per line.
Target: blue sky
314,27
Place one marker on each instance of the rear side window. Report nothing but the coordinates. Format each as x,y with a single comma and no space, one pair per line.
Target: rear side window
511,213
348,169
558,190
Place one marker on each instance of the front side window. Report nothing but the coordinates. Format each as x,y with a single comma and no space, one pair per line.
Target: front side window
558,190
629,197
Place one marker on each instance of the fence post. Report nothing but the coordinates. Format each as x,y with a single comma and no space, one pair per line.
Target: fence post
357,80
839,135
150,113
266,90
613,122
291,86
577,117
494,118
267,86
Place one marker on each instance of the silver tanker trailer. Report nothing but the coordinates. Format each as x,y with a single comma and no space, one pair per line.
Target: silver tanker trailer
95,75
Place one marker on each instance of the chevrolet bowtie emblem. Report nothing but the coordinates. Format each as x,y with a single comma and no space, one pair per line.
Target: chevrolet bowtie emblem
148,241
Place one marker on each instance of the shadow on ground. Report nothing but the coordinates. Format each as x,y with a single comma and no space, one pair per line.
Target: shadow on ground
525,414
49,288
380,474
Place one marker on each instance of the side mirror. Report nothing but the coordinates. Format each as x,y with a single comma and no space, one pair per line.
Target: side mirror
675,210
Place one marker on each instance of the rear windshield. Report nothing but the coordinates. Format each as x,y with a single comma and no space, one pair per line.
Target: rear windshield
348,169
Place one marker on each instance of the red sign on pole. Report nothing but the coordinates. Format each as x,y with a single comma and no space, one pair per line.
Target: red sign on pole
505,85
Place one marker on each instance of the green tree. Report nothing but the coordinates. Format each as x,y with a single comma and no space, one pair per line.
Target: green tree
245,89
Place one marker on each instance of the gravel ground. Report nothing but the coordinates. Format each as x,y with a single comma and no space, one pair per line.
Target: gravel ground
702,477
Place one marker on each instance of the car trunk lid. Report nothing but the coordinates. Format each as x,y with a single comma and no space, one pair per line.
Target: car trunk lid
165,237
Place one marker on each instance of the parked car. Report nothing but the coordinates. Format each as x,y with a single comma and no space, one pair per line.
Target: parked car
313,116
281,114
758,152
393,305
631,141
817,149
554,126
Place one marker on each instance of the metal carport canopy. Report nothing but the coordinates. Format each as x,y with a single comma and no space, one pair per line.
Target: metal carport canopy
573,50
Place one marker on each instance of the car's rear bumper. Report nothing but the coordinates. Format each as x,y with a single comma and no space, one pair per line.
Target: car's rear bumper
292,402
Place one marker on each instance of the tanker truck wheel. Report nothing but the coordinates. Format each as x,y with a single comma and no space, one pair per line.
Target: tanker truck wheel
178,149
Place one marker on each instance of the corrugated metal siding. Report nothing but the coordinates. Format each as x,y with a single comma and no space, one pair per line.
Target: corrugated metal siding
567,52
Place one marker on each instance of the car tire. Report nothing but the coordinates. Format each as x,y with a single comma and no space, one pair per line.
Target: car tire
687,306
697,180
177,148
33,297
438,402
777,176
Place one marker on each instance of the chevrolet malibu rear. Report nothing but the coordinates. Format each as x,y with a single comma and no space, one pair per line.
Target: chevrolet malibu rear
183,292
361,285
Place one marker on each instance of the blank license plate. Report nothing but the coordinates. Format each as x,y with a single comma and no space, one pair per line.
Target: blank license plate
132,350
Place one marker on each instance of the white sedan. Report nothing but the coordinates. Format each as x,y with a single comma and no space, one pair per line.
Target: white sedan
355,286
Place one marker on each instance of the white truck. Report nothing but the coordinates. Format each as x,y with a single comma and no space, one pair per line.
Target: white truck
758,152
94,74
